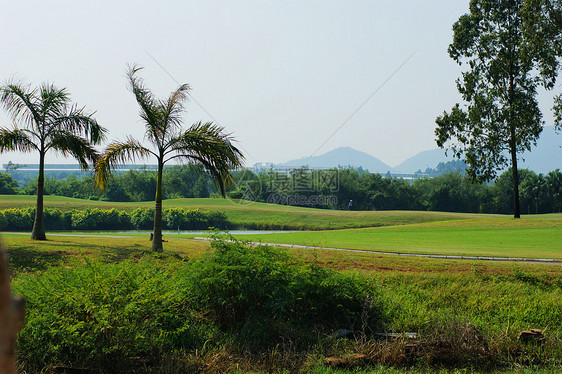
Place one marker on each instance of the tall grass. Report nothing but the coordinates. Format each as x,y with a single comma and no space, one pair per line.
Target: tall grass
261,309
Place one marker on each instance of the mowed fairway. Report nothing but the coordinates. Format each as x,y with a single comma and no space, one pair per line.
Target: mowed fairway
253,215
494,237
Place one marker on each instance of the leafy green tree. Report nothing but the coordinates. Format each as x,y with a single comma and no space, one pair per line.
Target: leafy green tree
203,143
511,47
8,186
553,181
50,122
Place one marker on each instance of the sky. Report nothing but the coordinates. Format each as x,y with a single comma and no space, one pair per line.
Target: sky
287,78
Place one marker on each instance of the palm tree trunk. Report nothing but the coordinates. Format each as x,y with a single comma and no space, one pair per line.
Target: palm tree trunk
38,231
157,239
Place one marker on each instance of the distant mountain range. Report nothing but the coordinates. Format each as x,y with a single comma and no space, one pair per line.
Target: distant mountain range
340,157
544,157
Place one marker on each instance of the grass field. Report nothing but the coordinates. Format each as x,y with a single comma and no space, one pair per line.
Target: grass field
496,237
435,298
255,215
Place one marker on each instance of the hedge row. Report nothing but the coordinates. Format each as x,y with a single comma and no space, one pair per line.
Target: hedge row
113,219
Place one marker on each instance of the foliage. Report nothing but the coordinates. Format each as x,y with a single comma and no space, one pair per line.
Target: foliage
160,313
113,219
8,186
203,144
102,316
510,47
50,123
265,295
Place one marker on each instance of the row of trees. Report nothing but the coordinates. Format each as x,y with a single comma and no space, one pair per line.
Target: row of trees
134,185
452,192
50,122
331,189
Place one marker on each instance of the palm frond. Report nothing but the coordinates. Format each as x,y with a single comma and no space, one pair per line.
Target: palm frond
115,154
15,140
150,107
19,101
173,107
53,102
208,145
70,144
79,123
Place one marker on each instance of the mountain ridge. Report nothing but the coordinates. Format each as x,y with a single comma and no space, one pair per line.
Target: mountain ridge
546,156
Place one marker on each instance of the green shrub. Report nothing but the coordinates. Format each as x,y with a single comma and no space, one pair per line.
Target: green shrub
101,219
174,218
54,219
263,295
101,316
193,219
18,219
143,218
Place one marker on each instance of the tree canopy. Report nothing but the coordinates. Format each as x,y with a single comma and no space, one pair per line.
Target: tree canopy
203,144
510,47
50,122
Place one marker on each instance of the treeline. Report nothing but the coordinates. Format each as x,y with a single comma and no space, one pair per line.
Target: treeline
328,189
452,192
113,219
132,185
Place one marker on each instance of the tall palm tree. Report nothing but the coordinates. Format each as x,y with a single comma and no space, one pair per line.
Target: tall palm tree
203,143
50,122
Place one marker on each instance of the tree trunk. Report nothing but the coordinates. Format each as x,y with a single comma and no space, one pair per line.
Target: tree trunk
157,231
515,174
38,231
12,312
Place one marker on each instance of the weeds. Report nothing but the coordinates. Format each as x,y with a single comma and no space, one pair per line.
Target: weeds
259,309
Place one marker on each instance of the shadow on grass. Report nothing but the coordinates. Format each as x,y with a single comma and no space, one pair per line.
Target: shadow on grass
40,256
25,259
118,254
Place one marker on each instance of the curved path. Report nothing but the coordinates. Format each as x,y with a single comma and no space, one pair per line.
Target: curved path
297,246
448,257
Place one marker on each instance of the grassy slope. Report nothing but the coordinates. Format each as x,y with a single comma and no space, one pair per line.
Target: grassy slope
255,215
502,237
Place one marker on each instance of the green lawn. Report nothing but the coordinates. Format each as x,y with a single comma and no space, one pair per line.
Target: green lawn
501,237
255,215
439,299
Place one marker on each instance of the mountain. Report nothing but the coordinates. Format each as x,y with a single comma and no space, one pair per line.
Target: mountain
422,161
543,158
344,156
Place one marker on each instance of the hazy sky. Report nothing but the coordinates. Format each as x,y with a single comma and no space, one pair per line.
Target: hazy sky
281,76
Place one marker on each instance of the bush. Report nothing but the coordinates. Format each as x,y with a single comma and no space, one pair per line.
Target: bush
264,295
18,219
101,219
112,219
108,317
54,219
103,316
143,218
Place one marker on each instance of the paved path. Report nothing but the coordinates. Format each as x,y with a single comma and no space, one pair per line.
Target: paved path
450,257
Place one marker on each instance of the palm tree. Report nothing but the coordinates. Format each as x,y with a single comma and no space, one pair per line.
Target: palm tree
50,122
203,143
